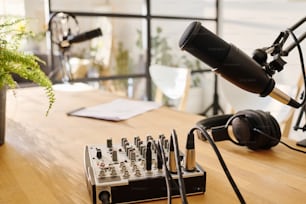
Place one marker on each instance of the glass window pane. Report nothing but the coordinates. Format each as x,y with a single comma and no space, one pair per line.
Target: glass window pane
132,87
111,6
12,7
117,52
190,8
165,49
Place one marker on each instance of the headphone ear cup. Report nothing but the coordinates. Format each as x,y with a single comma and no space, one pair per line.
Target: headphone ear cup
271,128
275,131
243,129
263,123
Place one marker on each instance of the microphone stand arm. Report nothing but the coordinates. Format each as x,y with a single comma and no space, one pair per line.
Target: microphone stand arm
277,52
277,64
293,45
276,49
285,35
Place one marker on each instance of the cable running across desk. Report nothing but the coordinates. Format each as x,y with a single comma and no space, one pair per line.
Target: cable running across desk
220,158
168,177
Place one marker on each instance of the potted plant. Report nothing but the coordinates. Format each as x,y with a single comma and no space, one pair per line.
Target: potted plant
15,62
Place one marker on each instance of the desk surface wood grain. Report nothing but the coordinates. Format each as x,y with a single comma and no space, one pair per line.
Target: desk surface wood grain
42,159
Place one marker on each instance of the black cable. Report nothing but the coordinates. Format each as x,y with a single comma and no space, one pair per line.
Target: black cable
301,62
167,174
270,137
296,127
225,169
179,168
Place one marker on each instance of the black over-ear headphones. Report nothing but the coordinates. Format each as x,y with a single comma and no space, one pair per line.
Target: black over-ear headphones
255,129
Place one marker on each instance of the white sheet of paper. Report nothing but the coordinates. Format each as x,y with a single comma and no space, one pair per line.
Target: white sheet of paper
116,110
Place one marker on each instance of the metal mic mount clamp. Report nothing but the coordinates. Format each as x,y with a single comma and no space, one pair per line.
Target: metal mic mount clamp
276,50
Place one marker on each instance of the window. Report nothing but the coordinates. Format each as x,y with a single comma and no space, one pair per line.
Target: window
12,7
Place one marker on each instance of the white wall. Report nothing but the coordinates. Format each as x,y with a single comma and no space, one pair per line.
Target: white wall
12,7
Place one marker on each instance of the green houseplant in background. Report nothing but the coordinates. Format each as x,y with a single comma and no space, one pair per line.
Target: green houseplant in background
123,62
15,62
163,54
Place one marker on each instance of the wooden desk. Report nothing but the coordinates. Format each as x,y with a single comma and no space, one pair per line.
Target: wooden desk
42,159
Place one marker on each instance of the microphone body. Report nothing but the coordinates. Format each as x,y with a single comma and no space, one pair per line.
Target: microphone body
85,36
81,37
231,63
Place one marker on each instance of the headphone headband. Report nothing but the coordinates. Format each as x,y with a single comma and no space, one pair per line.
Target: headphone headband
217,120
239,128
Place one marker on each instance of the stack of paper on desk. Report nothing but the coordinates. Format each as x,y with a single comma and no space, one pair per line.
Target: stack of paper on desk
116,110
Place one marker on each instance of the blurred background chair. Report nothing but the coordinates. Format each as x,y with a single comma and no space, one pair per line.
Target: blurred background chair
172,82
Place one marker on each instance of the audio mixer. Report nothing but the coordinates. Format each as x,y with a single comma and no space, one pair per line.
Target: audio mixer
133,172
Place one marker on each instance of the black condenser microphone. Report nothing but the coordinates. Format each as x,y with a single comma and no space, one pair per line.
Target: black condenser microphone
82,37
231,63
